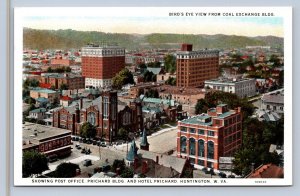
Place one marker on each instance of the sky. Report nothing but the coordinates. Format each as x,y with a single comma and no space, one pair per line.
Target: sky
244,26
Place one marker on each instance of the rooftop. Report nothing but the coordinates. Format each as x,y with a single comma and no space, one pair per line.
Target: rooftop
38,110
267,171
229,80
273,98
43,90
36,132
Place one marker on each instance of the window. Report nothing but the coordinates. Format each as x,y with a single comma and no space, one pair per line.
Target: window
192,146
200,162
210,149
211,133
183,144
91,118
192,160
201,132
106,107
210,164
183,129
201,148
274,107
192,130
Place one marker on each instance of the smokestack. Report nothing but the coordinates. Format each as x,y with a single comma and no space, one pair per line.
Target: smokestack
157,159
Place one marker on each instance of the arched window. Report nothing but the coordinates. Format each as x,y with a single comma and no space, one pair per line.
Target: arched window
192,146
201,148
210,150
183,144
91,118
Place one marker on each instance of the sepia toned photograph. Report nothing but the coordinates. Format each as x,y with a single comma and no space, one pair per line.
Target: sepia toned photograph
144,96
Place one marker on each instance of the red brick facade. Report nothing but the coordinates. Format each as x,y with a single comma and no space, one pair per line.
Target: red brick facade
204,138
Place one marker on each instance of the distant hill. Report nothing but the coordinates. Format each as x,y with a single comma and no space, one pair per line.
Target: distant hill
65,39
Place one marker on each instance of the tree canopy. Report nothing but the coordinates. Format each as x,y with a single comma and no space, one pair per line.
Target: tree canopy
170,63
122,78
153,93
87,130
34,163
149,76
212,99
66,170
171,81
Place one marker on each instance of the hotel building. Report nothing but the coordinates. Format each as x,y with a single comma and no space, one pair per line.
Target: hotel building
194,67
203,139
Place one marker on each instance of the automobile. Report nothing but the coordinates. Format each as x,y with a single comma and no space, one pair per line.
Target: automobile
87,162
231,176
73,138
106,168
98,143
52,158
83,140
88,141
77,139
78,146
88,151
204,169
103,144
222,175
83,151
94,142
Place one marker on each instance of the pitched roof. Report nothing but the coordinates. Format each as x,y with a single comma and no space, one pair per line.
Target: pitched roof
267,171
39,110
144,140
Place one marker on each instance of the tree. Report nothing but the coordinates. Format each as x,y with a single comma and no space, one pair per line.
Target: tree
275,60
122,133
153,93
170,63
66,170
154,64
87,130
118,164
171,81
30,100
30,83
122,78
34,163
127,173
64,87
201,106
149,76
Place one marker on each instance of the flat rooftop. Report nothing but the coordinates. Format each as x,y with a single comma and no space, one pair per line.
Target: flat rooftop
42,132
229,80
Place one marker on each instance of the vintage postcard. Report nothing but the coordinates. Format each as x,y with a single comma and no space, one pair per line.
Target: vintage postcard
153,96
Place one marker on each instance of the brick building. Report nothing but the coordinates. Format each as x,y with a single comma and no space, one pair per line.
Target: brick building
101,63
45,93
194,67
47,140
203,139
101,112
64,62
56,80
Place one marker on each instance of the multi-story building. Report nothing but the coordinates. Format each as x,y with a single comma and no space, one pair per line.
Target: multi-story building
101,63
45,93
203,139
56,80
242,87
194,67
101,112
273,102
47,140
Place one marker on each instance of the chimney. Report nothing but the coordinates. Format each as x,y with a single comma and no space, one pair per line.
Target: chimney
157,159
239,109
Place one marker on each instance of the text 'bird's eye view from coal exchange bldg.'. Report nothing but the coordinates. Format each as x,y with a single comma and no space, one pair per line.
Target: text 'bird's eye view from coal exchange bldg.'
152,105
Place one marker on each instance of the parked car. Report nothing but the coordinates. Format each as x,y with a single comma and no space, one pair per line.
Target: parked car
222,175
52,158
231,176
94,142
87,162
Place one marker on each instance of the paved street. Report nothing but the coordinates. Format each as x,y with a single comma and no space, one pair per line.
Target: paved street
160,142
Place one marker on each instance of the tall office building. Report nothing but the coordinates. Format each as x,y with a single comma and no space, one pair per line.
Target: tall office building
194,67
101,63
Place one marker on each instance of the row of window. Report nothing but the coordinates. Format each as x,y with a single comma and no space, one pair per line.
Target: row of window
201,147
199,131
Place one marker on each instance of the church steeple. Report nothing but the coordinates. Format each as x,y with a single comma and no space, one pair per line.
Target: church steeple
132,153
144,141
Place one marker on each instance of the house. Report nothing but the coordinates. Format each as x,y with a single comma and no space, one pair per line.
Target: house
38,114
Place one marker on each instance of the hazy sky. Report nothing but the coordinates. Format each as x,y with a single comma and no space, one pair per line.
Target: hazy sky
248,26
